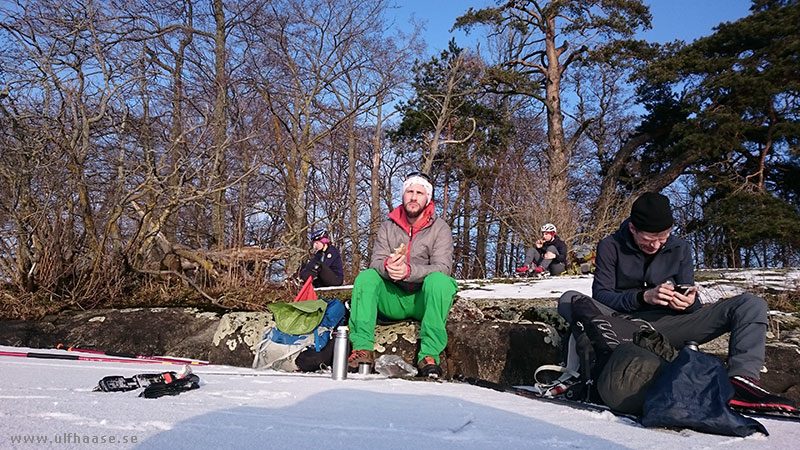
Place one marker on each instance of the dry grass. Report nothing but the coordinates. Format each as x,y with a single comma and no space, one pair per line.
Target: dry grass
787,301
146,291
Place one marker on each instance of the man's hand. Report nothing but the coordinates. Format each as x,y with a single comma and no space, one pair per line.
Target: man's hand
549,255
539,243
665,295
681,302
396,266
659,295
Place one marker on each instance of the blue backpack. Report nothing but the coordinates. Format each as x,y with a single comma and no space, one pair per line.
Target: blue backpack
693,392
279,350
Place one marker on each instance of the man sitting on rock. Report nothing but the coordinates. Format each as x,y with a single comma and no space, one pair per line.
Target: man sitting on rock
409,276
548,256
639,271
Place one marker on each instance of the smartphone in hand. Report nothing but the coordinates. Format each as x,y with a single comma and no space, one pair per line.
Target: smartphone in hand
684,289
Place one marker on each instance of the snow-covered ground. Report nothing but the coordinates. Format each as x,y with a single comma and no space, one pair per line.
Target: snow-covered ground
523,288
50,404
715,285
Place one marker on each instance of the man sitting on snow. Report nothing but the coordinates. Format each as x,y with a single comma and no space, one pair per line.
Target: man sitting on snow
409,276
637,272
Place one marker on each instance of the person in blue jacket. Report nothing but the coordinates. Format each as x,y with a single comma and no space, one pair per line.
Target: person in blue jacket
645,272
325,267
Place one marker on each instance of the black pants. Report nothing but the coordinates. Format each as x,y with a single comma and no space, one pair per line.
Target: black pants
322,276
744,315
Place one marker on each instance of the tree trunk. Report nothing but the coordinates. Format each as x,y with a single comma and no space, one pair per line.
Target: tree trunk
24,237
486,191
501,251
558,188
219,129
465,253
375,176
177,142
240,227
296,211
352,148
479,266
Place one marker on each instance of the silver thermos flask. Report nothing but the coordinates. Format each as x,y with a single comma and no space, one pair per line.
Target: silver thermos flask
340,345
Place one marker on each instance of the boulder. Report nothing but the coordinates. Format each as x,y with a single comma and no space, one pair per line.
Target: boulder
237,337
782,369
28,333
183,332
504,352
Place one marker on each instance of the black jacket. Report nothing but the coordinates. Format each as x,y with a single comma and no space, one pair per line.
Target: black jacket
560,246
621,270
330,272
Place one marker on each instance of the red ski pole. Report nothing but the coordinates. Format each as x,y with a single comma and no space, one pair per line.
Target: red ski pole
80,358
135,356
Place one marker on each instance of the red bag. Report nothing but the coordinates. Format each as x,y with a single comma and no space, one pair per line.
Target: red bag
306,292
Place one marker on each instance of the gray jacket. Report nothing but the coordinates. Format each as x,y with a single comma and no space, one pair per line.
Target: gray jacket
429,243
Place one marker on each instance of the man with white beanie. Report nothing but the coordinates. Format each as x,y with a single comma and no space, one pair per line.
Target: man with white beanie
409,277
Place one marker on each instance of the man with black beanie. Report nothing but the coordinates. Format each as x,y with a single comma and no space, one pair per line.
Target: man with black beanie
645,272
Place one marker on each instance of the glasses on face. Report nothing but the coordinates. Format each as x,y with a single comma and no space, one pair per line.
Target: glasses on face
653,240
419,174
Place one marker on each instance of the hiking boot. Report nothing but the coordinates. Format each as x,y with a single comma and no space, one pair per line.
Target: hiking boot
359,356
748,394
522,269
428,368
538,269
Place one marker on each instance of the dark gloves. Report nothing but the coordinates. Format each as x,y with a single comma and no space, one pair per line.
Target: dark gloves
175,387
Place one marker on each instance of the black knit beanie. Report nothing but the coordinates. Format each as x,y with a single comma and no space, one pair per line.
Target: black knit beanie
651,213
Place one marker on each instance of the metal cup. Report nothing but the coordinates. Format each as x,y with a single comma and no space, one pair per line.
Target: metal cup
364,368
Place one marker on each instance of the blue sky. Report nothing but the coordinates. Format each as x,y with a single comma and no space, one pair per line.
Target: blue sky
672,19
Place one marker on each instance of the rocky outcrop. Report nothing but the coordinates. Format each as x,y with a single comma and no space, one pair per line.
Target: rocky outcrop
184,332
237,336
503,341
498,350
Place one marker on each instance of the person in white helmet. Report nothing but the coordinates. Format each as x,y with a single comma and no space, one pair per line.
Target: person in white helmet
548,254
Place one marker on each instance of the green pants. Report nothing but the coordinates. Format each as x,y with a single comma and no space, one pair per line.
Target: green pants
430,305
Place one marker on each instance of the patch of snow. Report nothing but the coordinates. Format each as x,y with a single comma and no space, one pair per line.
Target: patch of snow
551,287
729,284
51,402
